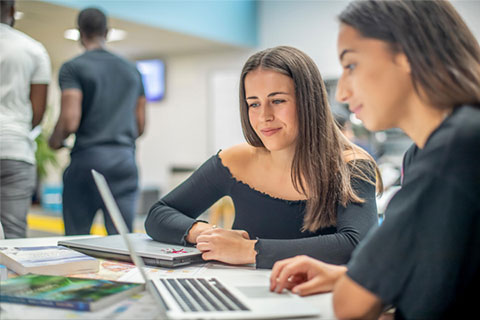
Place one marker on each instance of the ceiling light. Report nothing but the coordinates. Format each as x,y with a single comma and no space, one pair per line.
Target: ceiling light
113,34
116,35
72,34
18,15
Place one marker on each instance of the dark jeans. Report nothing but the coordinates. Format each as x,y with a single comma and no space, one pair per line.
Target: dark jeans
17,184
81,199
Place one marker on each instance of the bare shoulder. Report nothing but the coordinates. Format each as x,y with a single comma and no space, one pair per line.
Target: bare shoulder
238,157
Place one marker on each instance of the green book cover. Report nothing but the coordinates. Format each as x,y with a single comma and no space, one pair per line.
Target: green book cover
65,292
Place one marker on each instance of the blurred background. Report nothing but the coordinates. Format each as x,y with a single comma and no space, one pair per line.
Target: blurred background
190,54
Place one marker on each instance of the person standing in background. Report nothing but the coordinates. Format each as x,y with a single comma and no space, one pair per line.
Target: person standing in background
25,72
103,103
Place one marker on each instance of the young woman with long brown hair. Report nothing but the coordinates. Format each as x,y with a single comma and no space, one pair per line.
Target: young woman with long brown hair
413,65
298,185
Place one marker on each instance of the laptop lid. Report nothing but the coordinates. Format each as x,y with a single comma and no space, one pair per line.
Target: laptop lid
121,226
153,253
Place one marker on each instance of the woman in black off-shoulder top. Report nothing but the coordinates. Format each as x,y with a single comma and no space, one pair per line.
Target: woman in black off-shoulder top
298,185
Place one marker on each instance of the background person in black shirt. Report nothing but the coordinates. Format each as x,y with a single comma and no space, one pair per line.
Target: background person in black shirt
298,185
413,65
103,104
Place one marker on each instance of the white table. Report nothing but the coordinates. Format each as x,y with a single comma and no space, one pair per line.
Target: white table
141,308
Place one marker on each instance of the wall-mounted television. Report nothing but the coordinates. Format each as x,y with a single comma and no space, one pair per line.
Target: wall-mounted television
153,77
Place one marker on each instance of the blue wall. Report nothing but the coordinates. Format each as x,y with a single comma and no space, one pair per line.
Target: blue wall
226,21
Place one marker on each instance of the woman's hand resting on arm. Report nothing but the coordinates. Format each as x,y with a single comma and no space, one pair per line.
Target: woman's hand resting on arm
229,246
304,275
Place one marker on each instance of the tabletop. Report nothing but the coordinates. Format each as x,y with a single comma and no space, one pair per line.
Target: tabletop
141,306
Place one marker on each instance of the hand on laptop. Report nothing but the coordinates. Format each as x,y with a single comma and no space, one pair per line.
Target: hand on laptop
304,275
229,246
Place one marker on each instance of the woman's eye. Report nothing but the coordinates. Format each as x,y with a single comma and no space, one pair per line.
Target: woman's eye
278,101
253,105
350,66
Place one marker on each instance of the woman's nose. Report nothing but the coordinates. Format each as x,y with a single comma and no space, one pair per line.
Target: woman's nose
267,113
343,93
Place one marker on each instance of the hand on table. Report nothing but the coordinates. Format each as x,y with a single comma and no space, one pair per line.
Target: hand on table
304,275
229,246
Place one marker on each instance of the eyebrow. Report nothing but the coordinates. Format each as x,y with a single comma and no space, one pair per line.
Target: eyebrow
269,95
344,52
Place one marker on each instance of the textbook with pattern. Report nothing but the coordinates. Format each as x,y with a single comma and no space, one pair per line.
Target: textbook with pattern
51,260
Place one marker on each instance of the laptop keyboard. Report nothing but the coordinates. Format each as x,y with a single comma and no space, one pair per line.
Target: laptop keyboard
202,295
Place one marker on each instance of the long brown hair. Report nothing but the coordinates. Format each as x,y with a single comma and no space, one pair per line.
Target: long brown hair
444,55
318,165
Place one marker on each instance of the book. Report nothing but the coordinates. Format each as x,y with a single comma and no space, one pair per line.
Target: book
66,292
50,260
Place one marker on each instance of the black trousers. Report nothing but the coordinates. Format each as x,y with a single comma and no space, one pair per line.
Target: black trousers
81,199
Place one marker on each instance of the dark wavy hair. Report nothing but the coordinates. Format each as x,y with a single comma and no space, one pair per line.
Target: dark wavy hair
444,55
319,164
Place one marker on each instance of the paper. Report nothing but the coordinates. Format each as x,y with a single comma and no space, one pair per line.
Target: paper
134,275
109,270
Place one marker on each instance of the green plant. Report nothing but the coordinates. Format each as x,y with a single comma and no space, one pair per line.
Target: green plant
44,155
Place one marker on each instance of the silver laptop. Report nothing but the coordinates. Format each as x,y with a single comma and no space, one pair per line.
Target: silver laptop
204,298
153,253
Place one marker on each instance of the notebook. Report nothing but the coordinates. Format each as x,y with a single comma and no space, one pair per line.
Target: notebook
206,298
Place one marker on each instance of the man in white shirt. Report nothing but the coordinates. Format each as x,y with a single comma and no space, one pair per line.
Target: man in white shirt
25,73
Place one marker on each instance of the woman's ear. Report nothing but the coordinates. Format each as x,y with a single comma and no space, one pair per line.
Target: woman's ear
402,60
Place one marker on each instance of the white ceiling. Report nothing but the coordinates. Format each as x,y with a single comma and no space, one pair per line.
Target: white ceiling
46,23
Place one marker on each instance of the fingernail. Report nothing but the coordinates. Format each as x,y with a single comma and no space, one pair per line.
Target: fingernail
296,291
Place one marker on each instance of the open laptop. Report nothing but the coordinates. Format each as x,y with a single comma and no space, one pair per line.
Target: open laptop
203,298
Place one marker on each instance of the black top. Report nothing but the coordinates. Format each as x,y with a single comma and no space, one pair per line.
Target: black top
111,87
425,257
274,221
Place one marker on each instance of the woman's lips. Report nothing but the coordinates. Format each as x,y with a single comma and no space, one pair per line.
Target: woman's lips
270,131
356,109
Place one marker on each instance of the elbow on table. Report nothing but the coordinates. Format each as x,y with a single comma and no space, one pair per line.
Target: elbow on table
346,311
352,301
149,224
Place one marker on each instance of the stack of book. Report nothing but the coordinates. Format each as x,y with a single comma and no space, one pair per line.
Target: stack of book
51,260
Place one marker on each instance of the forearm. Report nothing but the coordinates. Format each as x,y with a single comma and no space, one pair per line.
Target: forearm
171,218
38,99
167,224
353,224
333,248
352,301
140,114
58,136
37,118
